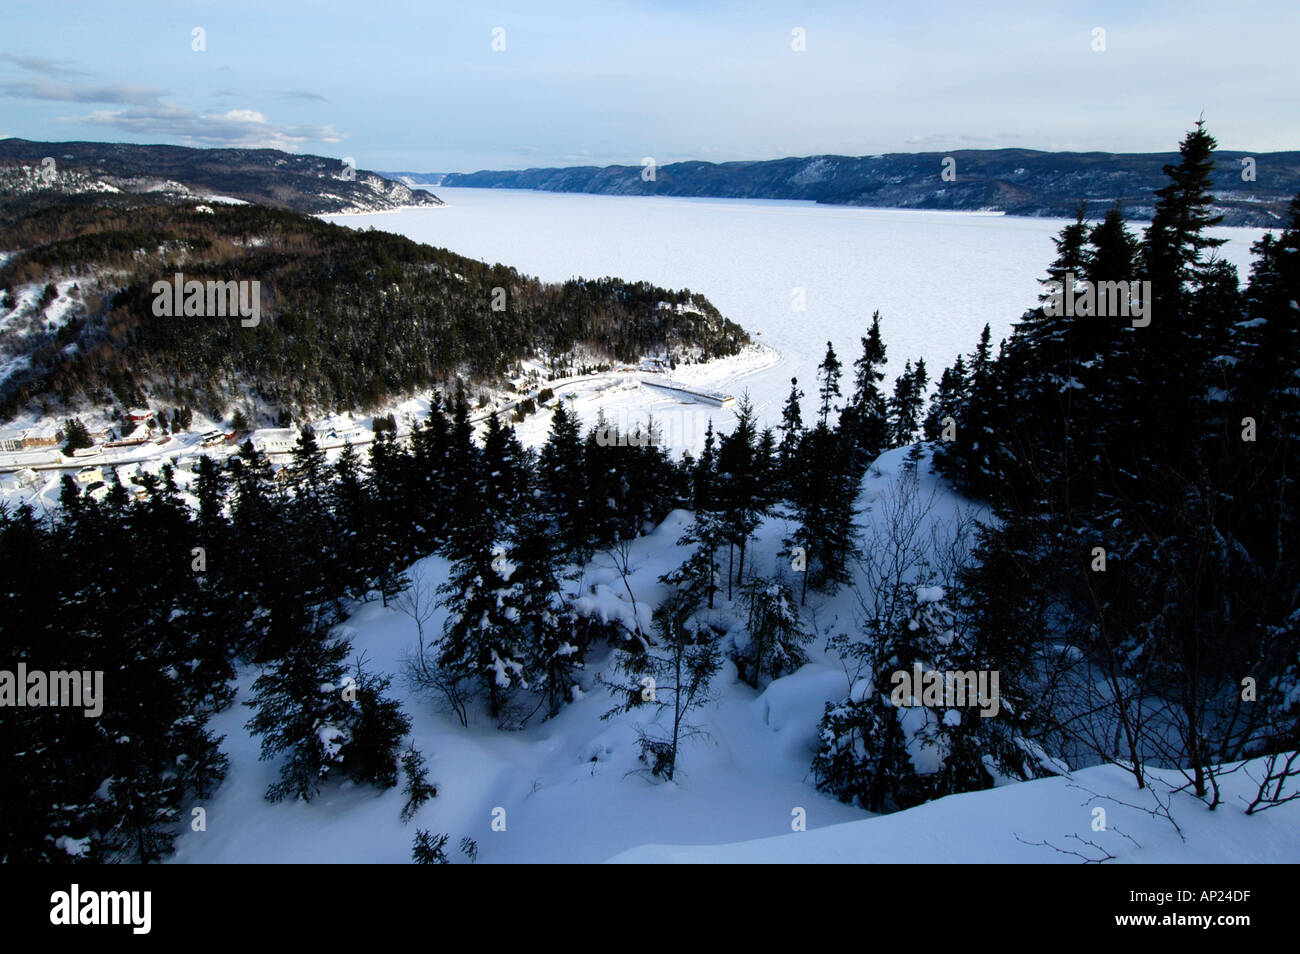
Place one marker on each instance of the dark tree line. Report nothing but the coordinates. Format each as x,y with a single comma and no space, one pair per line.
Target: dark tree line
1144,481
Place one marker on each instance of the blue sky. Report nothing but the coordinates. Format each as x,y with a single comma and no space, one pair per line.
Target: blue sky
417,86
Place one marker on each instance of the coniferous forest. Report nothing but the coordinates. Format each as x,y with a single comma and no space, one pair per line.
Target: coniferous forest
1137,584
348,319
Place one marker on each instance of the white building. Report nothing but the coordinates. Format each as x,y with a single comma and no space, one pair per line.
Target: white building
18,480
275,440
11,439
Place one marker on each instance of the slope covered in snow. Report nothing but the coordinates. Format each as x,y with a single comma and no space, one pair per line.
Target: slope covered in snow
1040,822
572,789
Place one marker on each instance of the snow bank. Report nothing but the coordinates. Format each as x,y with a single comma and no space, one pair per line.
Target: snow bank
1026,822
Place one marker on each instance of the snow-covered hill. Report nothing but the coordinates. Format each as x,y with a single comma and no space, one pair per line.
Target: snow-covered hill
570,790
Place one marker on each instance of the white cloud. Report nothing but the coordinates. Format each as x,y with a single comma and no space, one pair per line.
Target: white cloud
244,128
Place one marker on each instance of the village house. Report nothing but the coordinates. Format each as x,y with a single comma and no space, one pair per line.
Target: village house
138,436
341,429
31,438
47,436
275,440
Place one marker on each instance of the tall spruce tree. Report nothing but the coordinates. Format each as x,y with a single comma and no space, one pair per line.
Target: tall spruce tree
828,374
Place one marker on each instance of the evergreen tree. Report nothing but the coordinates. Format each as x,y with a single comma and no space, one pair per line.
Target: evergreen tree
429,849
356,524
375,729
906,404
262,577
417,788
892,744
503,467
301,712
546,622
776,636
792,431
316,573
391,538
828,373
675,683
948,401
865,421
481,640
824,511
740,491
562,471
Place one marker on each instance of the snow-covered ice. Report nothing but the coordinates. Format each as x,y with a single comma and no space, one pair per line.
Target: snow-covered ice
935,277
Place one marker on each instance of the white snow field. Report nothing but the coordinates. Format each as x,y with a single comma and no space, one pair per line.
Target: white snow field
935,277
1043,821
571,792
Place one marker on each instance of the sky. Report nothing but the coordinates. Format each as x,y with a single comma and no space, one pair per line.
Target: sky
438,87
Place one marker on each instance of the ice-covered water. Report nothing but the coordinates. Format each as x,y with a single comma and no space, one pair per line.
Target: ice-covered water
936,277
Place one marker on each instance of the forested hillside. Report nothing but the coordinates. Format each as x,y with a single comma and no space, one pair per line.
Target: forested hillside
1249,188
1144,567
347,319
312,184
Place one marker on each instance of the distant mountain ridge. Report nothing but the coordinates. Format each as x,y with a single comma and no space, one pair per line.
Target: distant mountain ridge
310,184
1015,181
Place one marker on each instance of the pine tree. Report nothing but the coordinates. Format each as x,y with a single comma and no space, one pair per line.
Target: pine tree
76,437
417,789
603,461
704,478
546,622
356,524
865,421
563,476
1175,350
481,640
906,404
698,573
792,431
676,683
264,575
429,849
374,731
828,373
947,403
316,573
503,467
391,538
776,635
894,745
824,511
301,712
740,493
